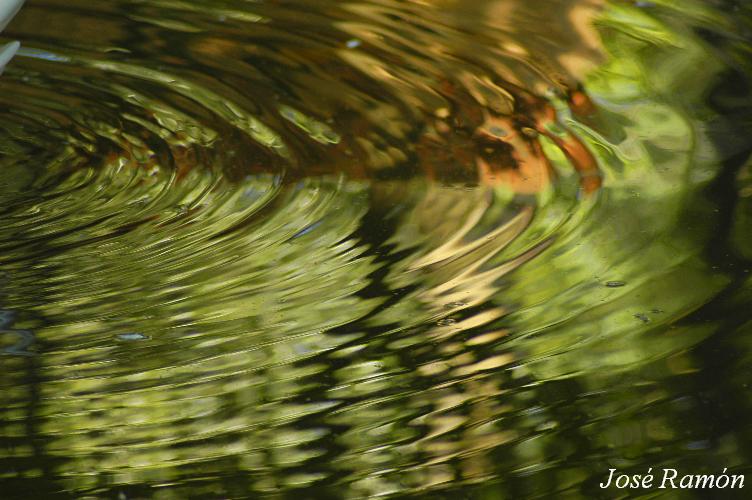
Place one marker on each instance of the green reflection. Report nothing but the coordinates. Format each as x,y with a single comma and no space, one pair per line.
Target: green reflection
254,259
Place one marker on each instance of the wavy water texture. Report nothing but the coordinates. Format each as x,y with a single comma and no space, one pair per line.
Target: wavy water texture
371,248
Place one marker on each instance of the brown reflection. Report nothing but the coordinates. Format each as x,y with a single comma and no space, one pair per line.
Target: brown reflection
469,107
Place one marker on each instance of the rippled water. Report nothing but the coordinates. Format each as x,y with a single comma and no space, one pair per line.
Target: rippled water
431,248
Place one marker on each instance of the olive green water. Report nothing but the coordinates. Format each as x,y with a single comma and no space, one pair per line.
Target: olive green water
249,248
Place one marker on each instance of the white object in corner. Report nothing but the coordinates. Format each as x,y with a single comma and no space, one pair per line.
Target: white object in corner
8,9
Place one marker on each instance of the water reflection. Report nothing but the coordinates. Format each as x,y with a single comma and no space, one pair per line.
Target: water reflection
371,248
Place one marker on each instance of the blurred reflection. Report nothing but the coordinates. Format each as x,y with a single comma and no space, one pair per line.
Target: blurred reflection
370,248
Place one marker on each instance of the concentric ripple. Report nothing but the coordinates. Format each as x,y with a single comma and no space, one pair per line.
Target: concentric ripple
357,249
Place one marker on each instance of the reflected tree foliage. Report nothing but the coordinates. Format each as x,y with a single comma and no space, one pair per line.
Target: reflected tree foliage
246,330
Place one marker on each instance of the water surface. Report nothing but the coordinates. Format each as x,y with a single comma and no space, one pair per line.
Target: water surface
410,249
